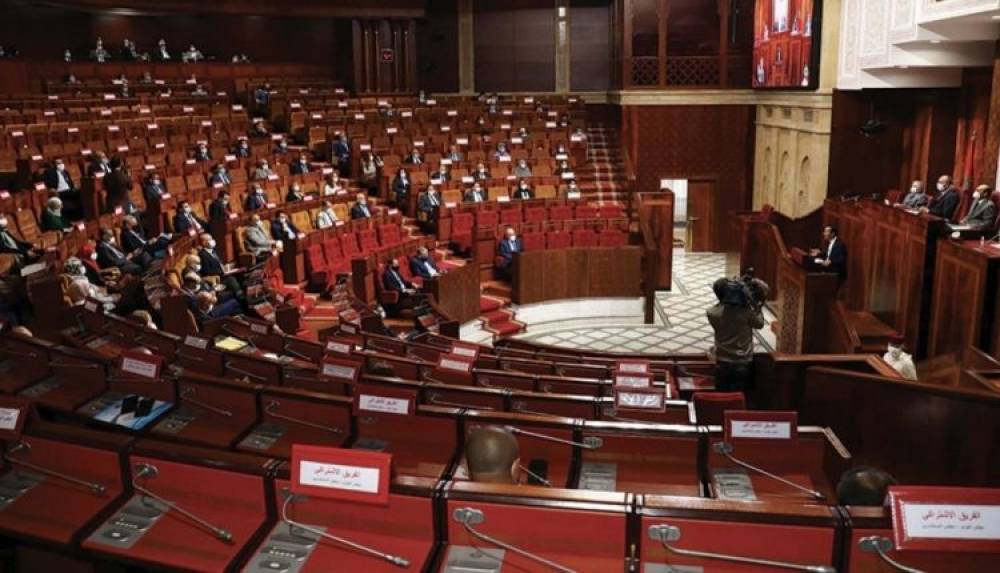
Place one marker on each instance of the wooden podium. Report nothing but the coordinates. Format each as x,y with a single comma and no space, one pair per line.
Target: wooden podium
456,292
576,273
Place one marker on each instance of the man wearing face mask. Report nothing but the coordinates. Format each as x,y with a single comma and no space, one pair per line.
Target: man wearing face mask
79,288
218,211
99,164
327,217
185,220
522,169
481,173
134,241
281,148
263,171
361,210
423,265
427,209
982,212
902,362
58,179
220,176
509,245
24,252
944,204
523,191
294,194
110,255
492,455
256,239
394,281
301,165
213,268
255,199
915,198
201,153
242,149
475,195
282,228
153,189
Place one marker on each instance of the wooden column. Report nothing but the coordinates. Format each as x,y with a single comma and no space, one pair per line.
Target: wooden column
466,47
991,149
724,6
662,14
358,47
626,69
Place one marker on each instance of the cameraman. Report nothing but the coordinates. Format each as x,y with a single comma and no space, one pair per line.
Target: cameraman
734,318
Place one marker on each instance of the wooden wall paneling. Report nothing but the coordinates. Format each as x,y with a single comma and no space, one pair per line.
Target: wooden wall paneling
591,42
965,309
438,47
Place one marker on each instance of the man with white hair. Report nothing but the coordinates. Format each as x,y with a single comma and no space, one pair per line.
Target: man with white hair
52,217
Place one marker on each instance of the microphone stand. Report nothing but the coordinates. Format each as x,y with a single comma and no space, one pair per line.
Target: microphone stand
150,471
726,449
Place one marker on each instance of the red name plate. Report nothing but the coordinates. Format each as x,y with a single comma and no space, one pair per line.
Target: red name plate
760,425
140,364
339,347
346,475
378,400
465,350
455,363
14,412
928,518
340,369
644,399
632,367
625,380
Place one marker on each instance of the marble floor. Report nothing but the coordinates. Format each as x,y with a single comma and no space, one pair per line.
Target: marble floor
616,325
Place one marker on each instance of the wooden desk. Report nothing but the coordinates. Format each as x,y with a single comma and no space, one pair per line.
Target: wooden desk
576,273
456,292
803,306
965,310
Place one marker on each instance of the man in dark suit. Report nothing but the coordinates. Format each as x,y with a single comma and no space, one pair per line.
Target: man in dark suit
481,173
242,148
134,241
475,195
301,165
212,266
255,199
414,158
58,179
153,189
201,153
99,164
509,245
220,176
423,265
117,186
833,255
185,220
23,251
52,218
282,228
361,210
394,281
523,191
219,210
340,152
427,208
109,255
946,201
982,214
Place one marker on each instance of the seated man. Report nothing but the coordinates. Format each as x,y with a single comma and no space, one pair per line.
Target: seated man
475,195
833,255
134,241
295,193
258,128
915,198
24,252
442,174
58,179
212,267
427,208
207,307
109,255
52,217
900,360
242,148
256,199
281,148
185,220
522,169
481,173
423,265
982,212
360,210
220,176
401,188
219,210
864,486
282,229
300,166
153,189
523,191
454,154
946,201
263,171
509,245
327,217
201,153
414,158
393,281
256,240
501,154
99,163
340,153
572,189
492,455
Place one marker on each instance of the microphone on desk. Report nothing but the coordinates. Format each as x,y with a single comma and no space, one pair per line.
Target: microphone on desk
290,498
149,471
726,449
187,395
469,516
271,410
588,443
25,447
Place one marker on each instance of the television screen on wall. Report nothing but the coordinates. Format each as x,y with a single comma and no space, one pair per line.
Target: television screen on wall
786,44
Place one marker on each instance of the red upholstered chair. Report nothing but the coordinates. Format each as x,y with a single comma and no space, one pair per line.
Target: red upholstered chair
995,197
584,238
612,238
486,218
511,216
894,196
335,260
404,269
710,407
558,240
368,240
349,245
535,214
560,213
316,267
461,230
611,211
533,241
389,235
586,212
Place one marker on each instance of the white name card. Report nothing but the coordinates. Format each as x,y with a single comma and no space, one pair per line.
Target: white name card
573,195
634,367
338,347
391,130
339,371
195,342
456,365
406,114
465,351
341,104
503,199
759,429
72,130
365,146
640,400
295,105
259,328
139,367
462,140
951,521
633,381
517,140
342,477
8,418
359,116
383,404
418,144
452,112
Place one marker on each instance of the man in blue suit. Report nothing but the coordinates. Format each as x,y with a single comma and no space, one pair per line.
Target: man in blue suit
509,245
282,229
423,265
833,255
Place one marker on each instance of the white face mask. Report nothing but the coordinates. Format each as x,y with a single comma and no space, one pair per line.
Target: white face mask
976,195
211,244
940,187
914,189
60,167
93,256
187,210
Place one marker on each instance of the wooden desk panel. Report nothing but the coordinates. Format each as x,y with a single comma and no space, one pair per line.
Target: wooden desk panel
966,304
457,292
576,273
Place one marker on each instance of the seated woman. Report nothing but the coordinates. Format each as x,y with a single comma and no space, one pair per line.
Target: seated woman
523,191
78,287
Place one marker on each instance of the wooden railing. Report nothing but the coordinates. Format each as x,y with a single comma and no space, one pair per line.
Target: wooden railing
656,227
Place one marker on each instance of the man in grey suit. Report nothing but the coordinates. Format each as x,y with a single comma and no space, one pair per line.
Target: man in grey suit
982,213
256,240
916,198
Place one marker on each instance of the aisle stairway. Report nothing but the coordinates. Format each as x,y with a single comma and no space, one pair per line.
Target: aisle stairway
603,178
497,317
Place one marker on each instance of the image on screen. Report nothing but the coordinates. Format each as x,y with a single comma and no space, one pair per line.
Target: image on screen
784,32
